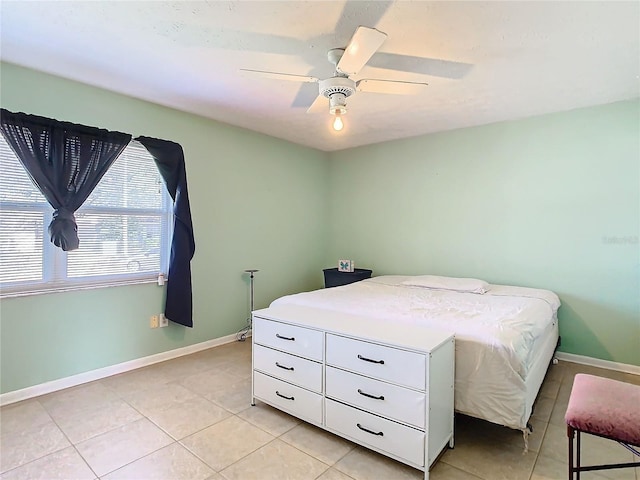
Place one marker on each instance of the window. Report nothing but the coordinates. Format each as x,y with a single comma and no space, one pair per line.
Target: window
124,228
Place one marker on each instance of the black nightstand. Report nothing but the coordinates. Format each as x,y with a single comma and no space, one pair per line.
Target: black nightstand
334,278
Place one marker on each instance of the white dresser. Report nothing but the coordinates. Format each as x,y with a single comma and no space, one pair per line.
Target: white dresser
386,386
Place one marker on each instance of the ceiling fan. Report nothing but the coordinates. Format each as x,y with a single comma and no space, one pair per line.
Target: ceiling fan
348,61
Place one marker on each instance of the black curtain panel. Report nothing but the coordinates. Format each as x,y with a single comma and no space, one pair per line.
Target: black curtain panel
169,159
65,162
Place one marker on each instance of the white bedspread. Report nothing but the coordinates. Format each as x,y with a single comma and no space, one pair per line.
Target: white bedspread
496,333
506,318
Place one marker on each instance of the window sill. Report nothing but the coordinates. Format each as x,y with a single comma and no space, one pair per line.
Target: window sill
74,288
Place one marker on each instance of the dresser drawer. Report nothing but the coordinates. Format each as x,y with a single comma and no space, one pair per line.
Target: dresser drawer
289,338
397,366
302,372
295,400
375,396
368,429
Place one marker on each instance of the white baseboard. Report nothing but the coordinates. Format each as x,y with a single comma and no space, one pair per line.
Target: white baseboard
85,377
596,362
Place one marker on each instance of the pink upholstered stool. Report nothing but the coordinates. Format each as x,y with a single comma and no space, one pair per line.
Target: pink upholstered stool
606,408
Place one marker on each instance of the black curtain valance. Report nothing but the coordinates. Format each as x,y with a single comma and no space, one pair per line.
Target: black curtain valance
65,162
169,159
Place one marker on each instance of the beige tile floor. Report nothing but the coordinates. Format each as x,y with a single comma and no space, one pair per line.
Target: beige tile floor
190,419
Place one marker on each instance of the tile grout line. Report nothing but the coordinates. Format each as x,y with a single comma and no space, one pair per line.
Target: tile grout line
269,442
460,469
211,466
174,440
73,445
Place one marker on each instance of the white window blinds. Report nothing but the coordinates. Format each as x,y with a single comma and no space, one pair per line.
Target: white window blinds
124,228
22,213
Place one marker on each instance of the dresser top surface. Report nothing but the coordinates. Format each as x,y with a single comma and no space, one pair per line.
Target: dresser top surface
414,337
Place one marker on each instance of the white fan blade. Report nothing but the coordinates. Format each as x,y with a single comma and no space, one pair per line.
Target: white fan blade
281,76
319,105
390,86
364,43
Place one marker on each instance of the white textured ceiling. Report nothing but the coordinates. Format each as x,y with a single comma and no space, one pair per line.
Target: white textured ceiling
484,61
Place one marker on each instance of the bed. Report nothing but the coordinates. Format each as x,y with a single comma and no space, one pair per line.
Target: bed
506,336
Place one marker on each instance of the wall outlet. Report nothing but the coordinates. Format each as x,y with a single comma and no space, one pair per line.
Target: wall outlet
154,321
164,321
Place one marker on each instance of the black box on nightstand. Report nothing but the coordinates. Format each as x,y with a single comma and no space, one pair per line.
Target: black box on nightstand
335,278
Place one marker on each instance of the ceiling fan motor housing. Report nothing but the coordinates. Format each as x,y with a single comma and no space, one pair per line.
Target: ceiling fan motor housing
337,89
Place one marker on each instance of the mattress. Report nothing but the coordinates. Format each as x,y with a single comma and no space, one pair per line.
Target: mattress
501,335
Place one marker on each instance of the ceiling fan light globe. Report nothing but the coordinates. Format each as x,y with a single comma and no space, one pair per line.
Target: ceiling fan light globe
338,124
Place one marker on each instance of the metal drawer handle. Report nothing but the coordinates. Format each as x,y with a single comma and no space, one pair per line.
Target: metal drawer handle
284,396
283,367
381,362
381,397
285,338
369,431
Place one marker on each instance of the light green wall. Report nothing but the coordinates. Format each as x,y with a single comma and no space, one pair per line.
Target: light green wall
538,202
257,202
